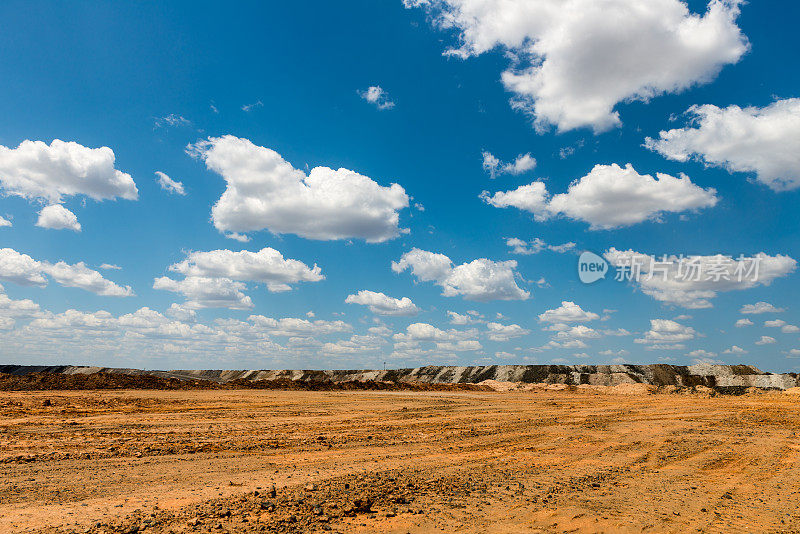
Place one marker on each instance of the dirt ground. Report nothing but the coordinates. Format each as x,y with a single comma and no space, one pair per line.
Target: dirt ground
397,462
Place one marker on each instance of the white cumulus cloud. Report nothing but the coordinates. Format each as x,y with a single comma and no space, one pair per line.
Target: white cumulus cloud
568,312
481,279
465,318
522,163
759,307
382,304
23,269
446,340
665,333
201,292
264,191
734,349
37,171
609,197
503,332
764,141
217,278
267,266
57,217
573,61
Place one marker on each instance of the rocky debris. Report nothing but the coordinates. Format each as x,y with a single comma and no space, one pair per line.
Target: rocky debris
298,509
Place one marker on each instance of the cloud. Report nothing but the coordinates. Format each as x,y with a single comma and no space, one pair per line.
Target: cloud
21,268
267,266
24,270
291,326
700,353
181,313
573,61
110,267
169,185
619,332
743,322
215,279
49,173
764,141
57,217
790,329
766,340
357,344
666,334
464,319
760,307
567,344
568,312
178,333
5,222
775,323
692,281
522,163
376,96
577,332
448,340
264,191
80,276
172,120
490,163
535,246
609,352
249,107
381,304
481,279
609,197
735,349
12,309
201,292
532,197
501,332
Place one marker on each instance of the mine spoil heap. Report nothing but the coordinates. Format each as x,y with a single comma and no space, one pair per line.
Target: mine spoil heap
719,377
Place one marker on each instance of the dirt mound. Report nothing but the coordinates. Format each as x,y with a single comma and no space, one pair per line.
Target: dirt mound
498,385
101,380
633,389
58,381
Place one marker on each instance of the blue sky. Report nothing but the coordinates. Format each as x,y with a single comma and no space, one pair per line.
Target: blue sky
239,104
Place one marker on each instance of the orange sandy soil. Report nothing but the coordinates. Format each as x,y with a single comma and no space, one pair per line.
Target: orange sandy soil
543,461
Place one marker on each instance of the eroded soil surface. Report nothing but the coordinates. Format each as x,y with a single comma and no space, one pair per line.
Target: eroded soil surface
377,461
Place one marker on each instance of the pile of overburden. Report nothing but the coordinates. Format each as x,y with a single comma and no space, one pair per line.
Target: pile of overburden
104,380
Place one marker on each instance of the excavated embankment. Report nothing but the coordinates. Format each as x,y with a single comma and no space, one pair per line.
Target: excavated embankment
720,377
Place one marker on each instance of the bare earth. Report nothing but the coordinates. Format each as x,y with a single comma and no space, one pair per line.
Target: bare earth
531,461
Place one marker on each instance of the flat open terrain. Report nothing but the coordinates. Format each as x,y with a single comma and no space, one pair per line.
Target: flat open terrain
543,461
